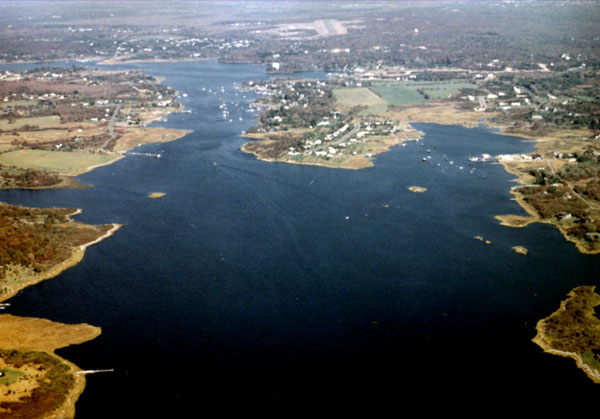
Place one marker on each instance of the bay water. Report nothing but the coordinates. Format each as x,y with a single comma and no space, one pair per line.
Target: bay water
256,285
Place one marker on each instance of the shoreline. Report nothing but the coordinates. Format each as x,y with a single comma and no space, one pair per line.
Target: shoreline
115,61
68,407
437,112
90,168
323,164
589,371
353,162
76,256
34,335
541,339
534,216
442,114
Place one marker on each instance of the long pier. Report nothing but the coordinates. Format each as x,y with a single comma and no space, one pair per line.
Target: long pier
94,371
134,153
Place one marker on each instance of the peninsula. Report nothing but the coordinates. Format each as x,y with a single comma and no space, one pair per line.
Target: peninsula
573,331
57,123
35,381
40,243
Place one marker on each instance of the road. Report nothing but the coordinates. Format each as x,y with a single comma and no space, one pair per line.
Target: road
111,127
482,103
348,135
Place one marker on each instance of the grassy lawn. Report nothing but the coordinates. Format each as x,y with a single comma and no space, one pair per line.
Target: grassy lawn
5,147
407,92
398,95
9,376
377,98
46,135
361,96
14,103
54,161
590,359
41,122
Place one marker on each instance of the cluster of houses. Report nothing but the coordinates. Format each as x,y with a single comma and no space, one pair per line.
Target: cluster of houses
8,76
178,44
504,101
507,158
158,99
338,141
286,95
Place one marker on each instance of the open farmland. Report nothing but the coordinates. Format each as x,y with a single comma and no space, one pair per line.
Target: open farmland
18,103
68,163
40,121
361,96
414,93
45,135
6,147
404,93
399,95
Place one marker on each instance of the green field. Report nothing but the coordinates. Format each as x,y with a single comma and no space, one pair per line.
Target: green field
54,161
407,92
590,359
5,147
398,95
10,376
15,103
377,98
41,121
361,96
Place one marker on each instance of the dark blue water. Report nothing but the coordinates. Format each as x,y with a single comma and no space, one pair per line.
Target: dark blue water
255,285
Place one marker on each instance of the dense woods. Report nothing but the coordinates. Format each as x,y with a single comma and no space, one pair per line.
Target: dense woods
39,238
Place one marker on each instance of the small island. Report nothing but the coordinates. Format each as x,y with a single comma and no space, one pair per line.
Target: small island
481,239
520,249
155,195
417,189
573,331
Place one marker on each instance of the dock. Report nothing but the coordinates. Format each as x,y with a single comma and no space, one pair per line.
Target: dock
85,372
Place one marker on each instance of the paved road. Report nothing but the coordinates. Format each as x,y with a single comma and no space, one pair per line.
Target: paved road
482,103
572,188
111,126
348,135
